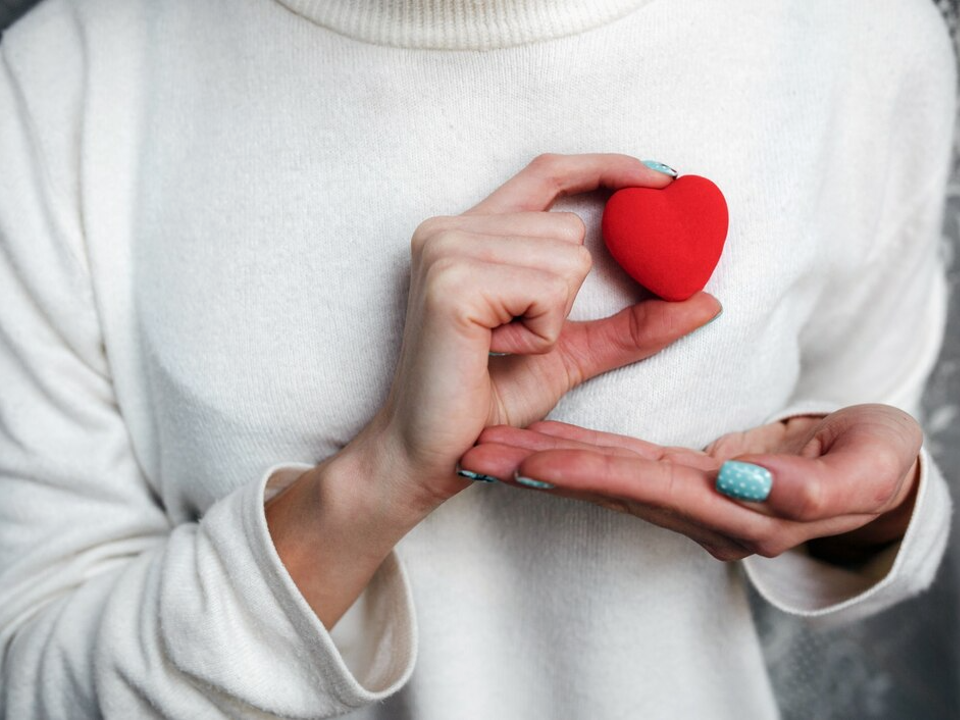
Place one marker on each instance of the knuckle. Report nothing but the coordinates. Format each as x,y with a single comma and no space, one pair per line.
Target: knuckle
584,259
545,162
549,336
572,225
417,241
549,168
443,280
427,233
440,245
427,229
551,288
577,262
556,293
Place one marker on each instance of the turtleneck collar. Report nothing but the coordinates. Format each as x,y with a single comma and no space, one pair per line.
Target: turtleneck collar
460,24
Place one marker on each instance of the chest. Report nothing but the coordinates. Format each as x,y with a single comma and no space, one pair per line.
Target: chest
271,248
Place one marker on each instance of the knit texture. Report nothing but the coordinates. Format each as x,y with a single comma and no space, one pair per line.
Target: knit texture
461,24
205,213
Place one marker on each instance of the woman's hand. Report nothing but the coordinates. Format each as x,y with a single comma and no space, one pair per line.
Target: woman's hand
844,483
502,278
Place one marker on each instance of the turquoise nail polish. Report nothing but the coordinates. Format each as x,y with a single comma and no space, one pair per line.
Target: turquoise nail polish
497,354
744,481
477,477
660,167
530,482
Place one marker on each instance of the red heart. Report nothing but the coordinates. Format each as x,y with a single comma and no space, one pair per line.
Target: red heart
668,240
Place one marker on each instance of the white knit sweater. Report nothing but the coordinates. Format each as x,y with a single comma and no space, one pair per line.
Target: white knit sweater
205,212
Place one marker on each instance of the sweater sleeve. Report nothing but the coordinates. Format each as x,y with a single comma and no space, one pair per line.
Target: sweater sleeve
874,336
108,608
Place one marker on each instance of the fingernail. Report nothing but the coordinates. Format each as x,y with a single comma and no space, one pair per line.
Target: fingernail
715,317
476,477
660,167
497,354
744,481
530,482
711,320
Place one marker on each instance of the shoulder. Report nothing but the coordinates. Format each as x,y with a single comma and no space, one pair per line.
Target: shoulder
913,32
42,48
878,39
902,37
900,75
58,38
52,60
890,36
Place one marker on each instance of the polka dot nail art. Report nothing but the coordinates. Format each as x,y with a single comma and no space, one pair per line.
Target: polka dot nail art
744,481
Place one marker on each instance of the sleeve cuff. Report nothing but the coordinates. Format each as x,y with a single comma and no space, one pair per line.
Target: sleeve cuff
277,628
804,409
830,595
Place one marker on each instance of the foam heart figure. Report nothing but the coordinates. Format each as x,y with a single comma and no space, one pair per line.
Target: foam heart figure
668,240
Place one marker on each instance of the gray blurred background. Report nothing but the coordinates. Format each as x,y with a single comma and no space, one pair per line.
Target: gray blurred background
905,663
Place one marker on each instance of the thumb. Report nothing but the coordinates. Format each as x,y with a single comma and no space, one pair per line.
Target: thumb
635,333
859,462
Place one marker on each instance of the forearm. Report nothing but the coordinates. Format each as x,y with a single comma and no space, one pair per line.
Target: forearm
200,621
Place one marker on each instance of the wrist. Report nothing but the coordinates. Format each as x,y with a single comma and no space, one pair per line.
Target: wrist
414,481
334,526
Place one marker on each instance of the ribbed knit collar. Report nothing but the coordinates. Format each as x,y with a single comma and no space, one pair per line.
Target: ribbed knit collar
460,24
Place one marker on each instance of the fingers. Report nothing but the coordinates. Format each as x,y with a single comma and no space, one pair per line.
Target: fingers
605,475
858,462
510,229
472,298
486,281
569,261
584,437
500,461
762,439
475,266
633,334
680,490
674,496
859,465
549,177
565,226
500,450
670,487
661,485
837,484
